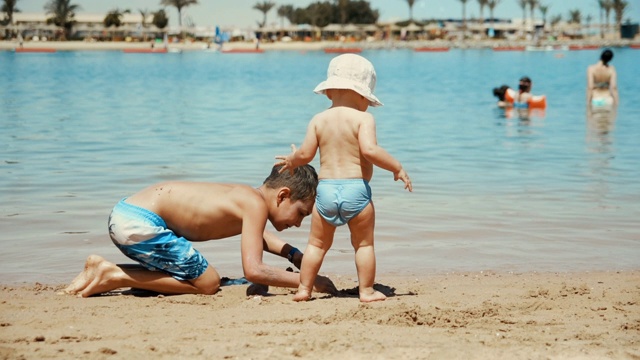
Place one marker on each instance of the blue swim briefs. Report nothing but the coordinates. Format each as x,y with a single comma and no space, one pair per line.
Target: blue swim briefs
339,200
143,236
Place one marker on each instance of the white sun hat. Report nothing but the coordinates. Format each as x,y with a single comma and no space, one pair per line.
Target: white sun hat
351,72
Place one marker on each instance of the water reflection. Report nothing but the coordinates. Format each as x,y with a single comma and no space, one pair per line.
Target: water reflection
599,141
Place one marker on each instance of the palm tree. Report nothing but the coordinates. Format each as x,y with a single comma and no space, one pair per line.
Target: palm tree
264,7
62,12
608,6
523,4
619,7
492,5
144,14
284,11
532,6
114,17
482,4
575,16
555,20
342,5
179,4
601,8
543,11
464,18
411,3
9,7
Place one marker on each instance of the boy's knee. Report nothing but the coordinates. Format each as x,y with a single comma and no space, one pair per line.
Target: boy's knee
210,289
208,283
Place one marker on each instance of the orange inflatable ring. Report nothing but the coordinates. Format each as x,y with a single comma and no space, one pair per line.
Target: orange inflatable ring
536,101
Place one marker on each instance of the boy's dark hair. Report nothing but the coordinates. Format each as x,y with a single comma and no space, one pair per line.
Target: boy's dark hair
302,183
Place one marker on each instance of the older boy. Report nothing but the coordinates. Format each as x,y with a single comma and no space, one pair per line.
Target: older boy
346,136
156,226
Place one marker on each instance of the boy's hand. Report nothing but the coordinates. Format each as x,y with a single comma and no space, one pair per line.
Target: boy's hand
324,285
286,162
402,175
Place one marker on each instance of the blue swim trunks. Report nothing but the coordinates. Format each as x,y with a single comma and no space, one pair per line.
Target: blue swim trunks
339,200
143,236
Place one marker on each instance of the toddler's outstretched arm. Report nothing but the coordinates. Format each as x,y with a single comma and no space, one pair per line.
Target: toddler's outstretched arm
301,156
378,156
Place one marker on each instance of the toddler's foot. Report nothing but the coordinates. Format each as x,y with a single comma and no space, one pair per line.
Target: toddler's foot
371,297
302,295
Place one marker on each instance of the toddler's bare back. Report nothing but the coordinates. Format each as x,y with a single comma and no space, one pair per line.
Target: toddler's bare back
338,132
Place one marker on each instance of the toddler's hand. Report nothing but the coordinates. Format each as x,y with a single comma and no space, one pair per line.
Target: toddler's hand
285,161
402,175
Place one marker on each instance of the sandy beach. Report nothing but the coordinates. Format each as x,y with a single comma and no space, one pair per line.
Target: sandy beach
480,315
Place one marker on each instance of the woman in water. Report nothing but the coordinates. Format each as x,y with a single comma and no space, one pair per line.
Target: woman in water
602,87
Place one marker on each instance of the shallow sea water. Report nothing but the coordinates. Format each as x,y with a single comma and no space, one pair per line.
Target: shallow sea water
558,191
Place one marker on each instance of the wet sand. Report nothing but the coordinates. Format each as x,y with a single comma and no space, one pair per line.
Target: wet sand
483,315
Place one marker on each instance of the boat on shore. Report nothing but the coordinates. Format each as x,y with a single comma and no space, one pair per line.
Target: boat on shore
431,49
343,50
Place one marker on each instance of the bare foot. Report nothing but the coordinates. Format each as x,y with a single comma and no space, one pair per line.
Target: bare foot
82,280
97,277
371,297
302,295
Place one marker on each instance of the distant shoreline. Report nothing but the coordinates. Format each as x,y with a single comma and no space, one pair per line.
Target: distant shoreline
308,46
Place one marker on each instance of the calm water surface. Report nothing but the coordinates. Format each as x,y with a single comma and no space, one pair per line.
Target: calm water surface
558,191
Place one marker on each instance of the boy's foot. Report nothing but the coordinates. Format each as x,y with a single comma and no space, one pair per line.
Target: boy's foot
302,295
371,297
93,279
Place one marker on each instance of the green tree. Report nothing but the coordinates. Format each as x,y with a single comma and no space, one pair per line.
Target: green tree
114,17
9,7
62,14
160,19
179,5
264,7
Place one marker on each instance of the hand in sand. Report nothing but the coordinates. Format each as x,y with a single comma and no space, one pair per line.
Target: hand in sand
324,285
286,162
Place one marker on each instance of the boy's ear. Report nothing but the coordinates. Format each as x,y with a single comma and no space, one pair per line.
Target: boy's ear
283,194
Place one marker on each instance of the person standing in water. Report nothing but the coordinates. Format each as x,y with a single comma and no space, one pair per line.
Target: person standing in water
602,82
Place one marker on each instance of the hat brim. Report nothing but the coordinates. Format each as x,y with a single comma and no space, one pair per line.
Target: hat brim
335,82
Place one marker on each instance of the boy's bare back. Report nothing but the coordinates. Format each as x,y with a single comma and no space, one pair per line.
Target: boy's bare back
202,211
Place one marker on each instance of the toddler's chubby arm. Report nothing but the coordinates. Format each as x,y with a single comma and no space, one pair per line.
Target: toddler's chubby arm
378,156
301,156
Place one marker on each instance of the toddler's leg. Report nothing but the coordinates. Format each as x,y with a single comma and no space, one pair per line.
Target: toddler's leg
361,228
320,240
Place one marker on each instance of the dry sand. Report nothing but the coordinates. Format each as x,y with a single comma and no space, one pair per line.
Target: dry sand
446,316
